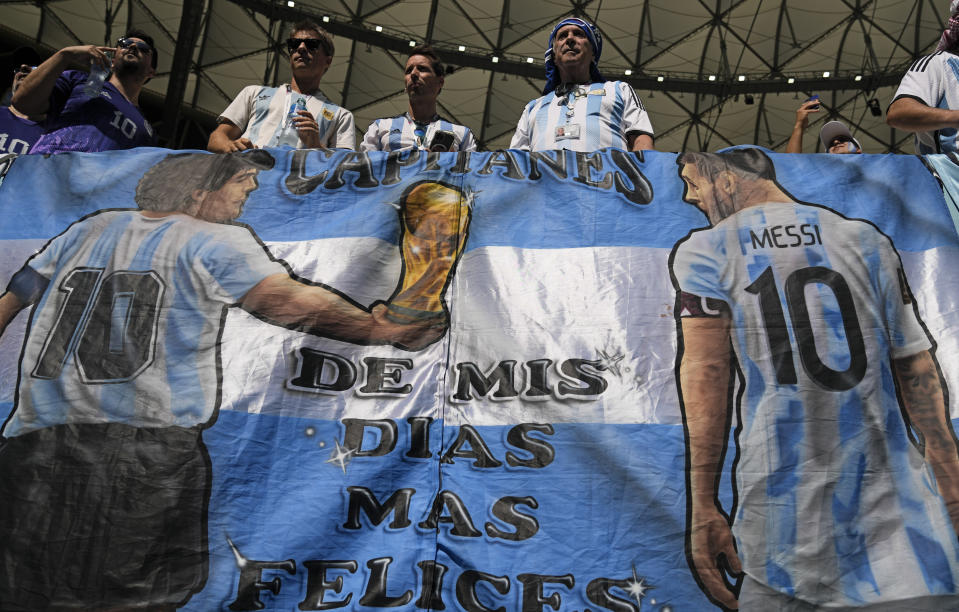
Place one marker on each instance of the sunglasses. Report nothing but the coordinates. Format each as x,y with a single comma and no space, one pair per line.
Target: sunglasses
292,44
142,47
24,69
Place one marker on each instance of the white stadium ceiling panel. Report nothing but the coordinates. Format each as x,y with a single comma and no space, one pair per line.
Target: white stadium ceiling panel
374,73
231,32
768,42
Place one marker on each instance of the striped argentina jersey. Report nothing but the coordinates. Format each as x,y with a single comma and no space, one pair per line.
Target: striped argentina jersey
835,504
127,317
934,81
604,113
396,133
261,112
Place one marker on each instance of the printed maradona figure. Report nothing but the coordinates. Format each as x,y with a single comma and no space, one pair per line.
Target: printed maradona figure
847,480
104,476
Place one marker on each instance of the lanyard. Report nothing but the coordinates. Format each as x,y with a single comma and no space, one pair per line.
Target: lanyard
573,94
421,130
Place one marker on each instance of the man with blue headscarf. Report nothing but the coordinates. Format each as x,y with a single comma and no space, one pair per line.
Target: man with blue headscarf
580,110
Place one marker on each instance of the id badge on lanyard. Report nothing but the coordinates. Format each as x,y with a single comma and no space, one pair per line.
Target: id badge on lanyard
570,131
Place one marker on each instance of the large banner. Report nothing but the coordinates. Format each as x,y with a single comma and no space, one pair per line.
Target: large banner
314,380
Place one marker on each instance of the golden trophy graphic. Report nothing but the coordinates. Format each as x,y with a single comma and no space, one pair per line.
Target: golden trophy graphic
434,218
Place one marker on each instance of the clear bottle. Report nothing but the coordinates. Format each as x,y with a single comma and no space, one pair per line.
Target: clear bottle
297,106
97,77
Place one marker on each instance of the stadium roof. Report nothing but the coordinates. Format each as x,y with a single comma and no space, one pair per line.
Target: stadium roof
711,73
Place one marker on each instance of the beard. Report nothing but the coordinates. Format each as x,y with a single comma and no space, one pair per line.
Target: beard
126,67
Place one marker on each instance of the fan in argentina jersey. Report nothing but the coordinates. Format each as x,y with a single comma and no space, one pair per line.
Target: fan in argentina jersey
420,127
927,101
295,114
847,468
119,375
580,110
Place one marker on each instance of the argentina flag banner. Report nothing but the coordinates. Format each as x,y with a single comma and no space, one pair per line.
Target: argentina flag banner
493,381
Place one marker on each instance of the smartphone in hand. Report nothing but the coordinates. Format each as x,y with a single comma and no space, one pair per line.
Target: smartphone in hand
442,141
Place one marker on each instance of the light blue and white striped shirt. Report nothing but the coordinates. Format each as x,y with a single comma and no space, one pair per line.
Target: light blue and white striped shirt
127,320
396,133
261,112
934,81
592,117
836,505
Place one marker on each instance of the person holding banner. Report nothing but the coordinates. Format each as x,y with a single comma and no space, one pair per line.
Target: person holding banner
296,114
847,477
104,475
420,127
580,110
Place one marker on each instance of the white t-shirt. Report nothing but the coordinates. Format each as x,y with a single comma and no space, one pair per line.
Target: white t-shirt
396,133
127,318
261,112
934,81
835,503
591,117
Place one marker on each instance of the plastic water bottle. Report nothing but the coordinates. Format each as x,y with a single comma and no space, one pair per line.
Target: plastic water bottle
97,77
297,106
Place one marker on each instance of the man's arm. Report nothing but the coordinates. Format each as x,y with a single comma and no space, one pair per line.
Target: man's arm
704,376
33,95
10,305
521,136
226,139
920,388
911,115
637,141
802,122
319,311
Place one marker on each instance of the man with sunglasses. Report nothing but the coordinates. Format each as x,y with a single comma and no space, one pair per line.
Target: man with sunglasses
18,131
76,121
261,116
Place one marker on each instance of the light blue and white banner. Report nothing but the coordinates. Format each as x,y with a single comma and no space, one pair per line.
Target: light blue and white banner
539,453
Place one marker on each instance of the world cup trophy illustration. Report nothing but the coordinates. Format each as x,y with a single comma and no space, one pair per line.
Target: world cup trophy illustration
434,218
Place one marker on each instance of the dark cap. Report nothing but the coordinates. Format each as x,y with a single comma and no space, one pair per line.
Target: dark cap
20,56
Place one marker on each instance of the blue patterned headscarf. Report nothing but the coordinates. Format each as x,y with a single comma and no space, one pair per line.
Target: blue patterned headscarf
595,39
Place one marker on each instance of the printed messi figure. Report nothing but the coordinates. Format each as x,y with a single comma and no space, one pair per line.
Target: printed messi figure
104,476
847,480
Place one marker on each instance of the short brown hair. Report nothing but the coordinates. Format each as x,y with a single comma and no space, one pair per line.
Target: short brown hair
326,39
428,52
